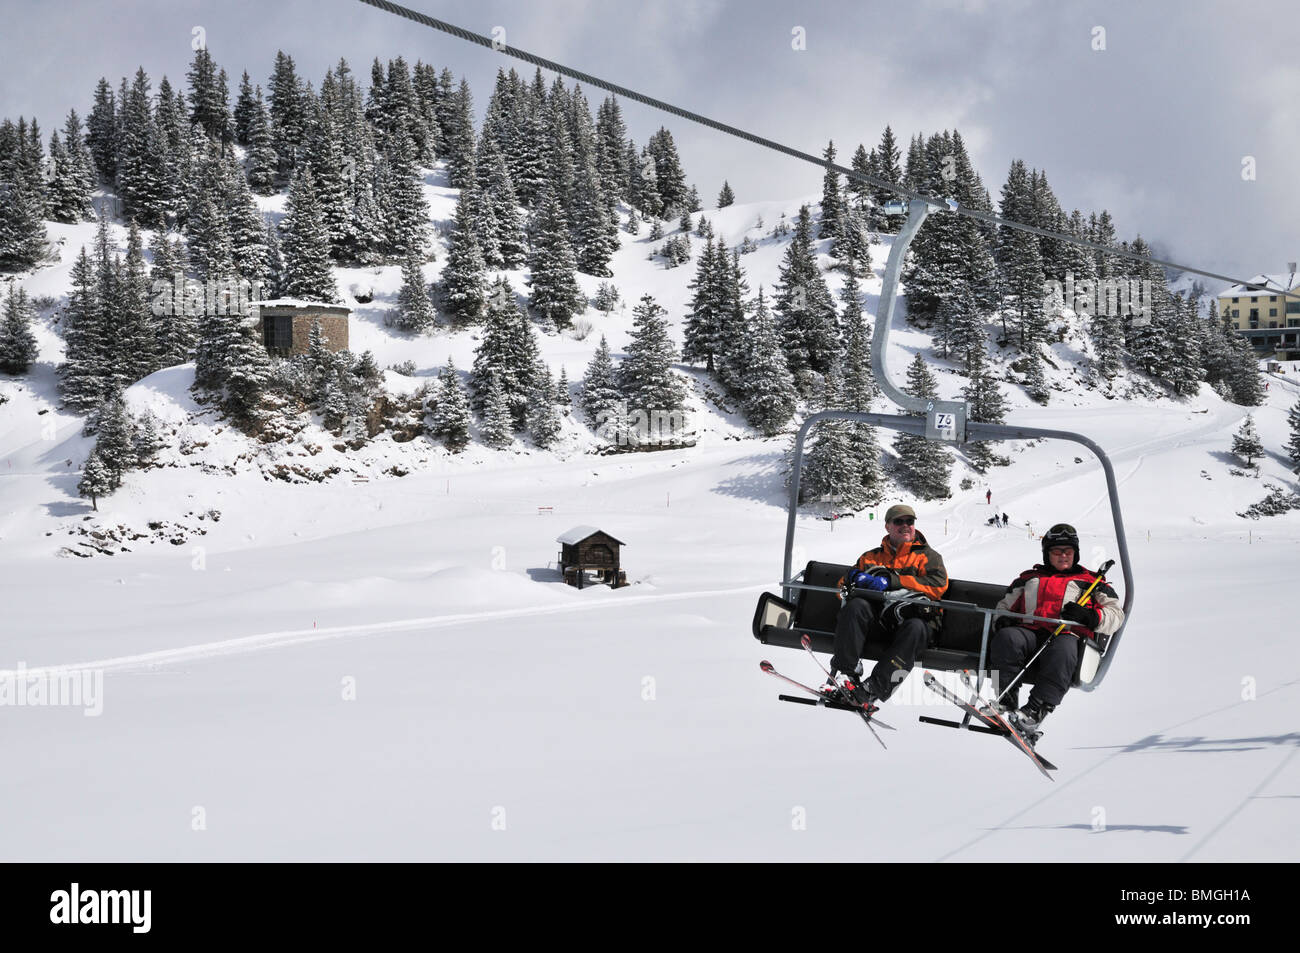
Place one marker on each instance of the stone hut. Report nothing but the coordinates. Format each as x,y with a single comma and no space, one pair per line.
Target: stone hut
286,324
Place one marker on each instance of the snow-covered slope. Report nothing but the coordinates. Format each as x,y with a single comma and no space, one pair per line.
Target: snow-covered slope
388,667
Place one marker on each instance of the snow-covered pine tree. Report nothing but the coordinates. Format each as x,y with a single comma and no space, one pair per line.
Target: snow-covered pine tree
1148,341
1183,369
960,327
507,353
451,415
830,223
217,334
543,418
333,192
924,466
600,393
414,306
857,194
645,376
405,212
768,397
852,245
859,391
101,131
499,193
497,429
289,126
555,294
703,335
140,178
262,161
1036,385
209,98
803,305
96,480
18,348
207,227
987,405
1246,443
563,397
245,107
464,277
247,227
81,375
173,326
726,196
115,445
305,245
669,178
459,138
829,468
886,167
607,298
1244,377
611,148
78,152
733,320
138,349
274,263
22,232
595,234
69,195
1020,260
248,373
1293,440
148,441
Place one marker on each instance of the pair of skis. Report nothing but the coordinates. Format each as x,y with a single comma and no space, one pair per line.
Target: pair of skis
847,703
988,720
992,721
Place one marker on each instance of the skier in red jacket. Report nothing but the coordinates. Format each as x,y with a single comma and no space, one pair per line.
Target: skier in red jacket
1051,590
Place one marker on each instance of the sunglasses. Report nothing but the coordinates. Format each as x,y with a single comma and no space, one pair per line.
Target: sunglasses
904,521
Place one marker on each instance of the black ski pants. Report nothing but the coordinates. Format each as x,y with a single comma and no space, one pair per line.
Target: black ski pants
1051,674
857,618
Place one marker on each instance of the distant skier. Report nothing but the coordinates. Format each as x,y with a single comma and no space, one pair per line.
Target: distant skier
1006,520
903,560
997,520
1051,590
988,497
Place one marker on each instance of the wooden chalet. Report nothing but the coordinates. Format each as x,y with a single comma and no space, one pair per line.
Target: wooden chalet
585,549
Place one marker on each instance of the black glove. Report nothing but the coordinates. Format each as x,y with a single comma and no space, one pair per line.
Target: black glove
1002,621
1086,616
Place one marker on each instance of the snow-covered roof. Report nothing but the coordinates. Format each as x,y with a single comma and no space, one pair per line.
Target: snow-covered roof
579,533
295,303
1275,284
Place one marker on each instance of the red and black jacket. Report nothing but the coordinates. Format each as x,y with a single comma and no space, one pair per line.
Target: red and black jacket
1043,590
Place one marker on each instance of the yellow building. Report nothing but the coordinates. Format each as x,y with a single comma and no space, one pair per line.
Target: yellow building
1263,314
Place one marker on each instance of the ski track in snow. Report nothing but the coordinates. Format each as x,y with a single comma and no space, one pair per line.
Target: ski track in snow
271,640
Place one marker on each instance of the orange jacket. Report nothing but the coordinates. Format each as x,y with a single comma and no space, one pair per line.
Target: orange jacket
918,566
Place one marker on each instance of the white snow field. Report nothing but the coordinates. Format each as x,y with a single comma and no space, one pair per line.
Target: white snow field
392,669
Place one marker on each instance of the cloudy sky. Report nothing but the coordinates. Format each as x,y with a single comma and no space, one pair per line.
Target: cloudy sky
1149,109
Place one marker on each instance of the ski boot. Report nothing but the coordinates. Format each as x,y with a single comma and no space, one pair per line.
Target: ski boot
1028,721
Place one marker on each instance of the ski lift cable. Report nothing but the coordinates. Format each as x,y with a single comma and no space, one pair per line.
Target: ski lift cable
946,204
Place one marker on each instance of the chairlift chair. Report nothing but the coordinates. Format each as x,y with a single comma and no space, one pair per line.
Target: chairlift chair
809,602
